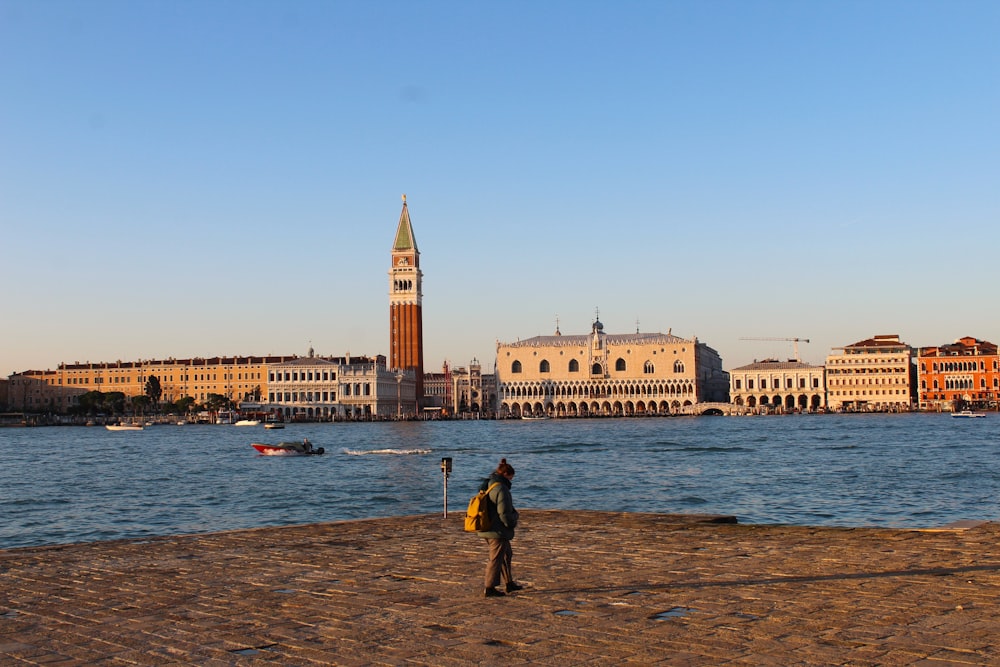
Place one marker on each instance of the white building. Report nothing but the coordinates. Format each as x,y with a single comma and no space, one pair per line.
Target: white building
607,374
326,389
304,388
778,386
369,390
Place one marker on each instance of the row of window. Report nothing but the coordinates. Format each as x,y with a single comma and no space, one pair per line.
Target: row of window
776,383
301,397
961,383
899,370
597,369
945,397
127,379
950,366
304,376
872,381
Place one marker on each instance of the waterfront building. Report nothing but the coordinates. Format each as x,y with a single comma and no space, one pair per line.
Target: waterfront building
437,390
303,388
873,375
601,374
964,374
369,389
778,386
472,391
243,380
236,378
33,391
406,333
460,391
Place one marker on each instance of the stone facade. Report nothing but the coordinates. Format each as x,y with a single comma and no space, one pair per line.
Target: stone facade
34,391
603,374
964,374
236,378
472,391
778,386
437,390
292,386
460,391
370,389
304,388
872,375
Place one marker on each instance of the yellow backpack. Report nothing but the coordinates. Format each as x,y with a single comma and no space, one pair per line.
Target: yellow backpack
477,517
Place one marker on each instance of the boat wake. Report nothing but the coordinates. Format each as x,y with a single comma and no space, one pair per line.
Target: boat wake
391,452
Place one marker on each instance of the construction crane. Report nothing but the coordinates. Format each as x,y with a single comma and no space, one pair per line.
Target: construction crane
794,341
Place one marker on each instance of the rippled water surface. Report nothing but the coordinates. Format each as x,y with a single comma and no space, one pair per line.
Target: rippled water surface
76,484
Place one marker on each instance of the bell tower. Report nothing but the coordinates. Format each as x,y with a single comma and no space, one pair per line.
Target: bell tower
406,327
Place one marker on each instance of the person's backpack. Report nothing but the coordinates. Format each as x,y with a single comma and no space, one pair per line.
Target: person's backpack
477,517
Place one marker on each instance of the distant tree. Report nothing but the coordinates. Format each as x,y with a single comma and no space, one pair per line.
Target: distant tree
153,389
216,402
114,402
90,403
140,404
184,404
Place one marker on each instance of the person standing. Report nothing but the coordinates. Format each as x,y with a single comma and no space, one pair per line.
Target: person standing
503,520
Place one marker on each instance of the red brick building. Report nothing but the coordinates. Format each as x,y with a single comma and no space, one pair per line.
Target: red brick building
964,374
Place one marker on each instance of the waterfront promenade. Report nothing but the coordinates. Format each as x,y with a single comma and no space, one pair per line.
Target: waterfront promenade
601,588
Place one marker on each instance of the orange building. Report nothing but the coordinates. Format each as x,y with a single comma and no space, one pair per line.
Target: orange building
965,374
406,328
236,378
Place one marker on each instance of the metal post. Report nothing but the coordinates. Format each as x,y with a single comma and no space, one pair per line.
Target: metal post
446,469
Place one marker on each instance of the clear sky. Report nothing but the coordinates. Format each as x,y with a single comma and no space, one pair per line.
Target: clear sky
184,178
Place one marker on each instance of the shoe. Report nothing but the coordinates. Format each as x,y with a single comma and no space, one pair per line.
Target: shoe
513,586
493,593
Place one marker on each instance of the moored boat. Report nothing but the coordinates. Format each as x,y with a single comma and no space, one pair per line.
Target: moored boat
225,417
247,422
967,414
123,427
303,448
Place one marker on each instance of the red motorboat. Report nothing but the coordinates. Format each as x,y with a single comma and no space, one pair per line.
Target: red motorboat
303,448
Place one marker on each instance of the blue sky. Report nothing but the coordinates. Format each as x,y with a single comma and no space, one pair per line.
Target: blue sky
186,178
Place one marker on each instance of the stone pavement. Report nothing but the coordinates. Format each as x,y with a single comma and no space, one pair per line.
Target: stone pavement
602,588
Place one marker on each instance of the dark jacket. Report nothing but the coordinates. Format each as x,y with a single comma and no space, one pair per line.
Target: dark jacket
503,516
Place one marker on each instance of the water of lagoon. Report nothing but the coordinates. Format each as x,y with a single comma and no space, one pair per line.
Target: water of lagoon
76,484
